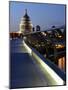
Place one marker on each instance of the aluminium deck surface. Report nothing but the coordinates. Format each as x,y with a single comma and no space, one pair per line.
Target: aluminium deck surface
24,71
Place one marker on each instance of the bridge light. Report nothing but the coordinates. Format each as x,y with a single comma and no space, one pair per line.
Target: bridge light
50,73
28,49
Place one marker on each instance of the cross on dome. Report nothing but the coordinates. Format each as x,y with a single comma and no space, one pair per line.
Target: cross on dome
25,11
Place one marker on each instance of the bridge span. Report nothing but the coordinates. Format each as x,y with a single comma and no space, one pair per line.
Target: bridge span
30,69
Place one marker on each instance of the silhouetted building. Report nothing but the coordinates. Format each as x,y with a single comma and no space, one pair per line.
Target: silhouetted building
33,29
37,28
53,26
26,25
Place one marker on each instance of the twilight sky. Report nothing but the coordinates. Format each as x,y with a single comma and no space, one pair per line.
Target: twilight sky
44,15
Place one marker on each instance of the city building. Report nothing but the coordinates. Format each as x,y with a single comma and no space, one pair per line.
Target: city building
33,29
37,28
49,45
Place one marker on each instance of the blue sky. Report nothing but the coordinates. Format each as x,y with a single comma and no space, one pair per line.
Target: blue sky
44,15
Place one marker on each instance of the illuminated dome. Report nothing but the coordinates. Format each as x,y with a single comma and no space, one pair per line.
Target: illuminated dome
26,25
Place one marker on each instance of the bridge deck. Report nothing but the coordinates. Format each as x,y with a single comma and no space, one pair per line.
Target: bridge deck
24,71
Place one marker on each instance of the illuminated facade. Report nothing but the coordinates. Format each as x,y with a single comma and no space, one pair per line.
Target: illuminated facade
26,25
61,63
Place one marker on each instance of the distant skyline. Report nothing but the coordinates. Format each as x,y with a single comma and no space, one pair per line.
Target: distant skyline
45,15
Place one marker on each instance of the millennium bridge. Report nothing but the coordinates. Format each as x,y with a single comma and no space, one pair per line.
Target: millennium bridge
30,67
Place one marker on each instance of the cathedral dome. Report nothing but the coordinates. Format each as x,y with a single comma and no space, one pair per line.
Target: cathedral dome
26,25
